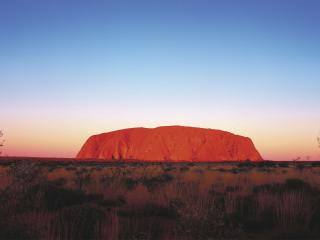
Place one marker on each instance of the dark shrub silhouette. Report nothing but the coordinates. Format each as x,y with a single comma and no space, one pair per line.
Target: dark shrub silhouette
150,210
79,222
52,197
157,181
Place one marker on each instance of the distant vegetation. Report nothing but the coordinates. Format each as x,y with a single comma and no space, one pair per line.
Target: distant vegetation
64,200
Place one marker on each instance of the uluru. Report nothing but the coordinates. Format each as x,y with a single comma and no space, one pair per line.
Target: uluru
169,143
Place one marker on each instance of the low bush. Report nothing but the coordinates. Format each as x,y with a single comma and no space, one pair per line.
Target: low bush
130,183
113,202
79,222
52,197
150,210
153,183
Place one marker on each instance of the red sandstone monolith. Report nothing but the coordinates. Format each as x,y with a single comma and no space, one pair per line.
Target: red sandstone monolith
171,143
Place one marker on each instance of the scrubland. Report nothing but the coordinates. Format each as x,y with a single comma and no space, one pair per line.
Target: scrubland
136,200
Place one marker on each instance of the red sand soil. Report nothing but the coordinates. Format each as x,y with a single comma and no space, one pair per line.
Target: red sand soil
172,143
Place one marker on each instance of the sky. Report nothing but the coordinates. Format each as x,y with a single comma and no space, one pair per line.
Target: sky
71,69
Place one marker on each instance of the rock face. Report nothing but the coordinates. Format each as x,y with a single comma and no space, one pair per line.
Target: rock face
172,143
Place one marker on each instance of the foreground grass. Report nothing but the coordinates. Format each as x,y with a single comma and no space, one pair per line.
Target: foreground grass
116,200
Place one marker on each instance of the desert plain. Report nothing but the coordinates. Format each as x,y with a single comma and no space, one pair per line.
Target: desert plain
73,199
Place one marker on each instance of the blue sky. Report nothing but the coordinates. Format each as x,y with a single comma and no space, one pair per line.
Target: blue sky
81,67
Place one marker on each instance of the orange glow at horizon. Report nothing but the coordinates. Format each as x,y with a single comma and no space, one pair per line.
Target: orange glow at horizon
55,142
60,131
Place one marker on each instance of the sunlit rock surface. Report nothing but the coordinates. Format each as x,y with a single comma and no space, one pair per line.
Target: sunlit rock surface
171,143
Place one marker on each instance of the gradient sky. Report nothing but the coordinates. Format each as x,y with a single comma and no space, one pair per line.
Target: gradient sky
70,69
